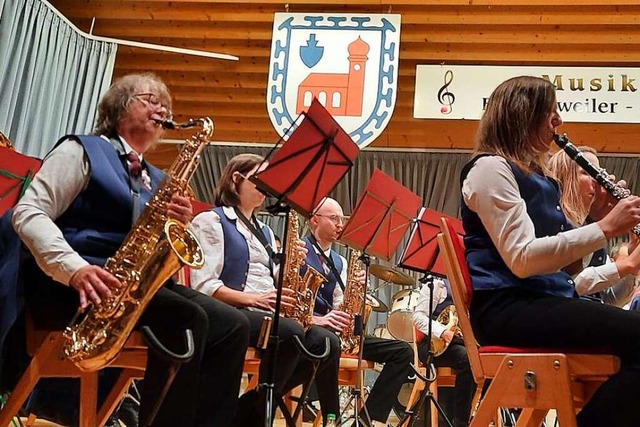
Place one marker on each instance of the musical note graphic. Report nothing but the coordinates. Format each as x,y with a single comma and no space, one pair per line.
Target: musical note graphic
445,97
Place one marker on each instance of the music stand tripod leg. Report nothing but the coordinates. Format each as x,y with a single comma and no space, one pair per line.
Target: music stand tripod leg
315,360
425,394
357,392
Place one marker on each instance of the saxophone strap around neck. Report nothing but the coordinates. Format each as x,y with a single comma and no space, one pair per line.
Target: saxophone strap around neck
254,228
328,260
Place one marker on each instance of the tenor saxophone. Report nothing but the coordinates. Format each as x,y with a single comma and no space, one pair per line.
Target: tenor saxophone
155,248
305,288
354,298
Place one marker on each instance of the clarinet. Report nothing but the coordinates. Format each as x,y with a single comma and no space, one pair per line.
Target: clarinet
599,174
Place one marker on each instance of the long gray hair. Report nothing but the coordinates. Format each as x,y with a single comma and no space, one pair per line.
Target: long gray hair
116,100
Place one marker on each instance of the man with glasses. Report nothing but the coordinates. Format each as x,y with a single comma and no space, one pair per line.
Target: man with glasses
326,224
76,214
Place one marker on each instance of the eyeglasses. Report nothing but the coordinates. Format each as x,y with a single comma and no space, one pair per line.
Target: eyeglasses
152,100
336,219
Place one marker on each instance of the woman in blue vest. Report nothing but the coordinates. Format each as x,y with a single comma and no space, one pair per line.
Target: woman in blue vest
240,271
518,240
583,200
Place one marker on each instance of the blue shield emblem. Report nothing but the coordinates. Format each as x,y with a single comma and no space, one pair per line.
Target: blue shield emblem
349,62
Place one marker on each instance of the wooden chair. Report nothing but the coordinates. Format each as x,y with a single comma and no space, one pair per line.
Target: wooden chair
533,379
45,347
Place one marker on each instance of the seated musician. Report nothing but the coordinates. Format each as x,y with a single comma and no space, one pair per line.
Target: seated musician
518,240
583,201
455,356
240,271
326,224
76,214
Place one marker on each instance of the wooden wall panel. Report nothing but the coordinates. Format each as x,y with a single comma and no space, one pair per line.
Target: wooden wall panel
491,32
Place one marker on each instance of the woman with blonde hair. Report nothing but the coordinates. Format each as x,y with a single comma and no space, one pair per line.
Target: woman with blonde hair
600,278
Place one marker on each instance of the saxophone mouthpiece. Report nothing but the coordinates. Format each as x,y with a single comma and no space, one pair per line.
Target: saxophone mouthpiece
171,125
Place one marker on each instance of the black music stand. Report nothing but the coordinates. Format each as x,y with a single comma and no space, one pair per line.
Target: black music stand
376,226
305,169
422,254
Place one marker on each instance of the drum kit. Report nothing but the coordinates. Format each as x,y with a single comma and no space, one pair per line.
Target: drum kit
399,320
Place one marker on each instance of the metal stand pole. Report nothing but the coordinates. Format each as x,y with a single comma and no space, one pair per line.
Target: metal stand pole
426,394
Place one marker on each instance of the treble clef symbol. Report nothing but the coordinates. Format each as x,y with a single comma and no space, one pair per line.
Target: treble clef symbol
445,97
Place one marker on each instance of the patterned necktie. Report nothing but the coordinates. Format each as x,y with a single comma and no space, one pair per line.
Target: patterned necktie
135,167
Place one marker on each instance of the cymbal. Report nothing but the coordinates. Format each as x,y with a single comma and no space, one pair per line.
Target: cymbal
393,275
376,304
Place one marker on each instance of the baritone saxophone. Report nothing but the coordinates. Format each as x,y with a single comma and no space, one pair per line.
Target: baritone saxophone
155,248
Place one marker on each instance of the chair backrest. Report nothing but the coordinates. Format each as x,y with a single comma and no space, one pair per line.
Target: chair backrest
5,142
452,250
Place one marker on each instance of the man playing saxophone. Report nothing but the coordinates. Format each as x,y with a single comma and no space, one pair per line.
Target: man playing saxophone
326,224
75,215
241,271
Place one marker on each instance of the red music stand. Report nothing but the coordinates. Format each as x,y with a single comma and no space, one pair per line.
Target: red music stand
302,172
382,215
310,163
16,173
422,253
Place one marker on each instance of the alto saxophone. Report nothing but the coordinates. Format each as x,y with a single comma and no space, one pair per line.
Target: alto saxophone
305,288
155,248
354,298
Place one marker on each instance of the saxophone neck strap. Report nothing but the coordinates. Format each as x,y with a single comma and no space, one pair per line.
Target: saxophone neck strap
253,226
327,260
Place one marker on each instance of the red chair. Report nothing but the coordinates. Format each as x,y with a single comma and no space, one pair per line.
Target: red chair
536,380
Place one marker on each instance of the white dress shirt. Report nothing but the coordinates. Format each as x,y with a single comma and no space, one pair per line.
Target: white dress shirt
64,174
491,191
421,315
605,279
208,229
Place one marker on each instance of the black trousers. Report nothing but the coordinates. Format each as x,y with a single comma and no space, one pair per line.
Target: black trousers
397,357
205,390
455,357
519,317
292,369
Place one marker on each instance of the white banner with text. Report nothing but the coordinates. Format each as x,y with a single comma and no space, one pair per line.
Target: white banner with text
584,94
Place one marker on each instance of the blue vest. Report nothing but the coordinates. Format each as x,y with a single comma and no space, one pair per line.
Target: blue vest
99,219
486,267
236,252
324,298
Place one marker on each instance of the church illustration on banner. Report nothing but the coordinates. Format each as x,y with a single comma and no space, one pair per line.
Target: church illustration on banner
340,94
